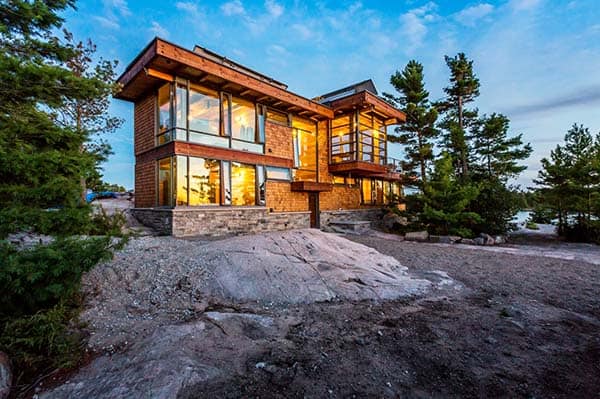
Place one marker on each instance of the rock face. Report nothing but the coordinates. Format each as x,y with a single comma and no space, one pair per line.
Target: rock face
391,221
158,279
5,376
147,308
416,236
173,360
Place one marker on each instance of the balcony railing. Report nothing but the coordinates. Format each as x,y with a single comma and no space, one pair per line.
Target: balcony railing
365,146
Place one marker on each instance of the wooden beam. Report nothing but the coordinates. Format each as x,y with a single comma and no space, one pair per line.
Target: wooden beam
263,98
159,75
184,56
278,103
245,92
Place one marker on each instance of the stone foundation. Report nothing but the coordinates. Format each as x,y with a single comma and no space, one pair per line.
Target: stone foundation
219,221
351,215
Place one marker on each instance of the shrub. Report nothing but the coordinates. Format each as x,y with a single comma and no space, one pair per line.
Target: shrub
583,231
104,224
532,225
38,278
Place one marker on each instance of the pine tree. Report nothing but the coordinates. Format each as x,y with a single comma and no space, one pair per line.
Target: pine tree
90,116
41,162
496,155
463,89
419,132
446,201
569,182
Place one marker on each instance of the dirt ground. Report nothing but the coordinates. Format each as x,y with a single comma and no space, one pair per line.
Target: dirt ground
525,326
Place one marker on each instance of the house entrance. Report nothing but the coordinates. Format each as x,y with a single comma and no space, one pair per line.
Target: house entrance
313,205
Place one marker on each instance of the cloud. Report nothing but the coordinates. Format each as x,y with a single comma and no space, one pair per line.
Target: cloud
234,7
276,50
522,5
581,97
274,9
108,23
158,30
414,24
470,15
303,31
120,6
187,7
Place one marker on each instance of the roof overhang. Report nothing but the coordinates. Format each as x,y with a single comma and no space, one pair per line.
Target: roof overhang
162,61
365,100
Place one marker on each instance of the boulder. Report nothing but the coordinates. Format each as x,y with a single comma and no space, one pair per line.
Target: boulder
5,376
468,241
391,221
417,236
487,239
479,241
500,240
448,239
434,238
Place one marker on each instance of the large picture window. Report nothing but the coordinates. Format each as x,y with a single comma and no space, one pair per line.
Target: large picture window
305,149
189,112
194,181
379,192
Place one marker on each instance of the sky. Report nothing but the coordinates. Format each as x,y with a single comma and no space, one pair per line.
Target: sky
538,61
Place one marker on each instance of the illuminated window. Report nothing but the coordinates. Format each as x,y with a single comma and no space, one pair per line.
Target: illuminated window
277,117
367,191
181,175
342,139
305,149
181,108
339,180
379,198
205,183
164,182
243,184
204,110
164,114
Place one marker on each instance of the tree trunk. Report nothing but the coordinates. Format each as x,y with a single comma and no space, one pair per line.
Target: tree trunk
422,159
463,152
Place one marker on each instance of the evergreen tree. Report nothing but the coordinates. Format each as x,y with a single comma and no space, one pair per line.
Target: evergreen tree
496,155
419,132
446,200
463,89
569,182
90,116
41,162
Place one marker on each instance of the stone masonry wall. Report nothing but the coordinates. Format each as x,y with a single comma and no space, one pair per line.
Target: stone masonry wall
371,214
207,221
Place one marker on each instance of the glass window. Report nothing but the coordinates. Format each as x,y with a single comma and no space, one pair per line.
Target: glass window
275,116
205,182
367,191
342,139
204,110
261,109
164,108
305,149
164,182
338,180
243,184
260,184
243,118
181,108
226,165
181,173
379,199
278,173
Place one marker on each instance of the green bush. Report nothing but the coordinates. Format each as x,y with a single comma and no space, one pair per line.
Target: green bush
104,224
40,277
532,225
583,231
41,342
59,221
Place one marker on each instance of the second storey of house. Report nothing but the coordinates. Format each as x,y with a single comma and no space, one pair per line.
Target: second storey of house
208,131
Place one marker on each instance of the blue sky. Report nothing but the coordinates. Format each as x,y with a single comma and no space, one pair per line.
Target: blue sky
538,60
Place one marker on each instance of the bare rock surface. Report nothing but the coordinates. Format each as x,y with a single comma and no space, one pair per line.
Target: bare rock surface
170,317
156,280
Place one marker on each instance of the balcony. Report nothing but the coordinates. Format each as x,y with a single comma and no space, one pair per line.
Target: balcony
363,154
